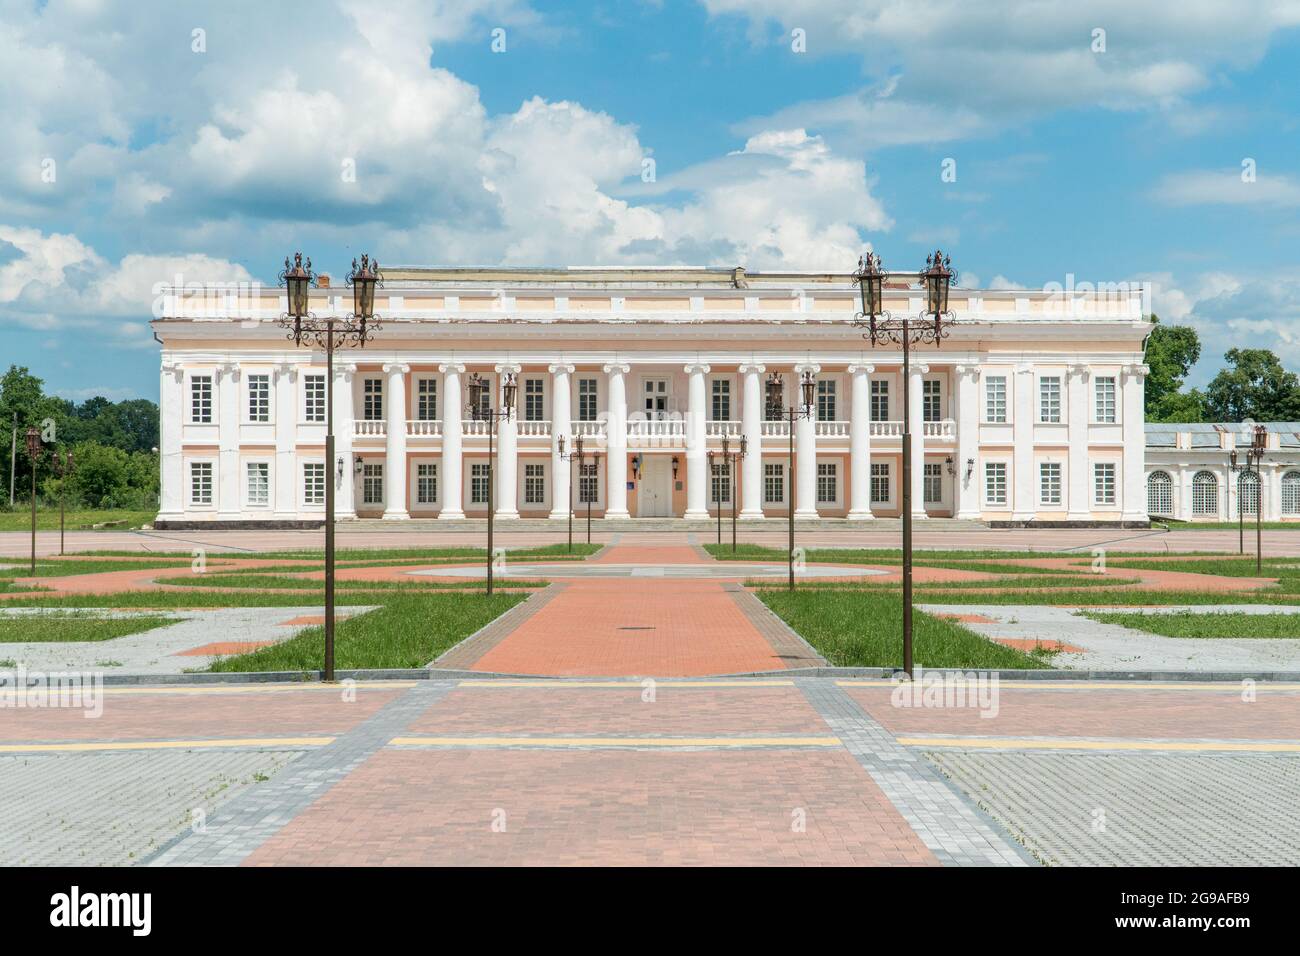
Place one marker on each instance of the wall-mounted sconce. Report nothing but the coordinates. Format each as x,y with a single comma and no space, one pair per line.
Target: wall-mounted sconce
359,466
948,464
636,467
339,468
970,468
676,464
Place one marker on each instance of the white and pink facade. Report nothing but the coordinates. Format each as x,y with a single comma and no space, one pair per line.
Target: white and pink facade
1030,411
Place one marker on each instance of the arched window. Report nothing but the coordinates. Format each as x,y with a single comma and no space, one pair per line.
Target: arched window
1205,494
1160,493
1291,493
1247,493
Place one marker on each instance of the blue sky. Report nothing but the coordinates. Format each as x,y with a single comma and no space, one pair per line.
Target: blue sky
207,140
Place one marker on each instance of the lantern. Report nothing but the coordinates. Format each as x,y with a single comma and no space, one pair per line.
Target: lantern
509,391
938,277
808,385
363,280
297,280
775,398
477,395
34,446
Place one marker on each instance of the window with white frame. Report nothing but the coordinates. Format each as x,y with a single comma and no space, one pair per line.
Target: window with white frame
995,483
880,483
1247,493
313,483
313,392
478,483
372,399
1291,493
534,400
931,400
201,483
259,398
1049,399
1205,494
201,400
828,492
721,407
372,483
995,399
258,475
534,485
773,483
879,400
426,483
589,484
932,483
426,399
826,410
1160,493
1103,483
1049,483
588,400
1104,392
721,482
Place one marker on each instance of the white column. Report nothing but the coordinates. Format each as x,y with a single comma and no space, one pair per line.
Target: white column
450,477
561,424
228,502
616,441
395,444
805,449
860,442
507,482
1078,491
751,485
1134,502
697,477
918,441
1271,489
286,434
1023,479
171,429
968,442
344,412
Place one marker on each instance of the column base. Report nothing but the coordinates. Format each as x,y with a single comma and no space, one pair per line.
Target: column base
449,515
697,515
859,516
1078,516
617,514
402,515
751,516
559,515
508,515
969,515
920,516
805,515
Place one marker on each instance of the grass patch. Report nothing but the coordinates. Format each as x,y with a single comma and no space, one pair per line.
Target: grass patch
860,628
74,627
67,568
241,579
408,631
47,519
1215,624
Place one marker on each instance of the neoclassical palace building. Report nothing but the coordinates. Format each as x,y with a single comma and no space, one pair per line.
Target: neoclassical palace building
1029,411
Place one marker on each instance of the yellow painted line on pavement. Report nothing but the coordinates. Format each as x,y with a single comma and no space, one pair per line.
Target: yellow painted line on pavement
615,742
1233,687
258,688
1007,743
630,683
95,745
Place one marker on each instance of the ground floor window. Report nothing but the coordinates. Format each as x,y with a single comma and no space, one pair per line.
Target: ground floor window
1160,493
201,483
995,482
1103,483
1205,494
478,483
1247,493
722,482
313,483
1291,493
880,483
259,484
426,483
827,482
589,484
534,484
1049,483
773,484
932,484
372,483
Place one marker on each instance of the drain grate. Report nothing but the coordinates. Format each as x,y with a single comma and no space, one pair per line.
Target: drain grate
637,628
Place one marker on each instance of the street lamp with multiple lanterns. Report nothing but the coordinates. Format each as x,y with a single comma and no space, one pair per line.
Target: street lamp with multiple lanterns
931,326
35,451
480,410
586,469
62,462
777,410
730,457
1254,453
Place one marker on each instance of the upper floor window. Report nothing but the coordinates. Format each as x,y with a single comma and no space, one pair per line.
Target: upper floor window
721,407
372,399
259,398
534,400
1105,394
879,400
588,400
995,399
314,399
1049,399
826,400
931,401
201,400
426,399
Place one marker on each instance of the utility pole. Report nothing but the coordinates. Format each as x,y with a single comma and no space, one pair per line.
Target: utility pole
13,457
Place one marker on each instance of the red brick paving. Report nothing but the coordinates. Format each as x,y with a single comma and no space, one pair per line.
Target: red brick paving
224,648
633,554
1047,644
967,618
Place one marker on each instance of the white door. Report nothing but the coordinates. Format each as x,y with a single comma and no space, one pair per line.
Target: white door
654,497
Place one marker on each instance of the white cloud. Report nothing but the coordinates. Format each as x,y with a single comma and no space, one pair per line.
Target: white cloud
1211,187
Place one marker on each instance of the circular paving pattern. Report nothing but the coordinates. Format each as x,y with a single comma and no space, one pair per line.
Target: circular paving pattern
723,570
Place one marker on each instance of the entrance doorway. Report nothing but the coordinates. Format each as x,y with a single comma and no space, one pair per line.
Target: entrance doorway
654,491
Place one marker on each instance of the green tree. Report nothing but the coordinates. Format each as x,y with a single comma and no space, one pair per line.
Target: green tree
1256,386
1171,352
101,474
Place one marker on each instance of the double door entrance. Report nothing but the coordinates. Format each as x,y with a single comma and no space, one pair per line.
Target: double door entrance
654,490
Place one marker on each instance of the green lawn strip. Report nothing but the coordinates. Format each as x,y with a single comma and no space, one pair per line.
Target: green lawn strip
1120,596
1227,525
78,626
67,568
1233,567
929,557
198,598
1211,624
1046,581
235,579
47,519
408,631
358,557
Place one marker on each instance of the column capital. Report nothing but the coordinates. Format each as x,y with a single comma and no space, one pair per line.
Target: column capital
175,369
346,371
229,370
508,368
920,369
1079,370
1137,370
287,370
754,367
807,367
621,368
972,370
560,368
452,368
855,367
400,367
696,368
1024,368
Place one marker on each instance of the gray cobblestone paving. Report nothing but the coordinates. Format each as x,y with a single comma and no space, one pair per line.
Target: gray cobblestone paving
112,809
955,831
1156,809
246,823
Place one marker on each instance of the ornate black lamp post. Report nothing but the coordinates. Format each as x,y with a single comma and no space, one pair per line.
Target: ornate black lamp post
585,470
35,450
931,326
330,333
575,455
480,410
1254,453
63,468
733,459
776,409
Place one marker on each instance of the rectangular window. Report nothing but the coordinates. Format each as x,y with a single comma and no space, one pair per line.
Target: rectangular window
931,401
589,484
1105,391
372,399
201,483
932,482
721,483
995,483
826,409
313,411
1103,479
995,399
426,483
372,483
426,399
879,400
1049,399
827,486
259,483
721,400
534,485
313,483
478,484
1049,483
880,483
201,400
588,400
259,398
534,400
773,483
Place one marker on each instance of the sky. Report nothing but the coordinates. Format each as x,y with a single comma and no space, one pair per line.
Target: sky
1033,140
